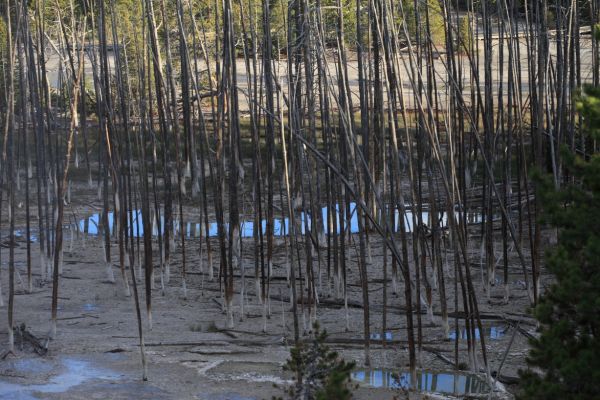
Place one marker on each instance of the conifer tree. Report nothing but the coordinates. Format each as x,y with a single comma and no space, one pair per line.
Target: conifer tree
320,372
565,358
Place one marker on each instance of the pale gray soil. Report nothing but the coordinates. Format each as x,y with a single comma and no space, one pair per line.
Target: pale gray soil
191,355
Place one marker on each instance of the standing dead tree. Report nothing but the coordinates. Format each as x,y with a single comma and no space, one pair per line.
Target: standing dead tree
406,127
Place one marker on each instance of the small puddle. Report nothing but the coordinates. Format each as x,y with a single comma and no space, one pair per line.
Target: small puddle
440,382
90,307
377,336
73,372
492,332
21,235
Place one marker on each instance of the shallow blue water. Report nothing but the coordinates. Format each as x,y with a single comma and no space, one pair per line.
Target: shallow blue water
73,372
492,332
454,383
281,226
377,336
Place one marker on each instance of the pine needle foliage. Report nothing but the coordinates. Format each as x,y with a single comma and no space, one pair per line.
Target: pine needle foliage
321,373
566,356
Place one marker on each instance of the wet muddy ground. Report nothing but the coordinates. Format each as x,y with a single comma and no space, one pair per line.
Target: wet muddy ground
192,356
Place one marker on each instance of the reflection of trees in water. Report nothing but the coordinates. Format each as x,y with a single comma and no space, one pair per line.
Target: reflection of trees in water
441,382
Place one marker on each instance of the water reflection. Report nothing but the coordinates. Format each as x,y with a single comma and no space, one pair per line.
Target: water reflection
281,226
90,307
377,336
455,383
492,332
21,235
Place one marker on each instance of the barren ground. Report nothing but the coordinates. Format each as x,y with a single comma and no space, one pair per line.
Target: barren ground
190,353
